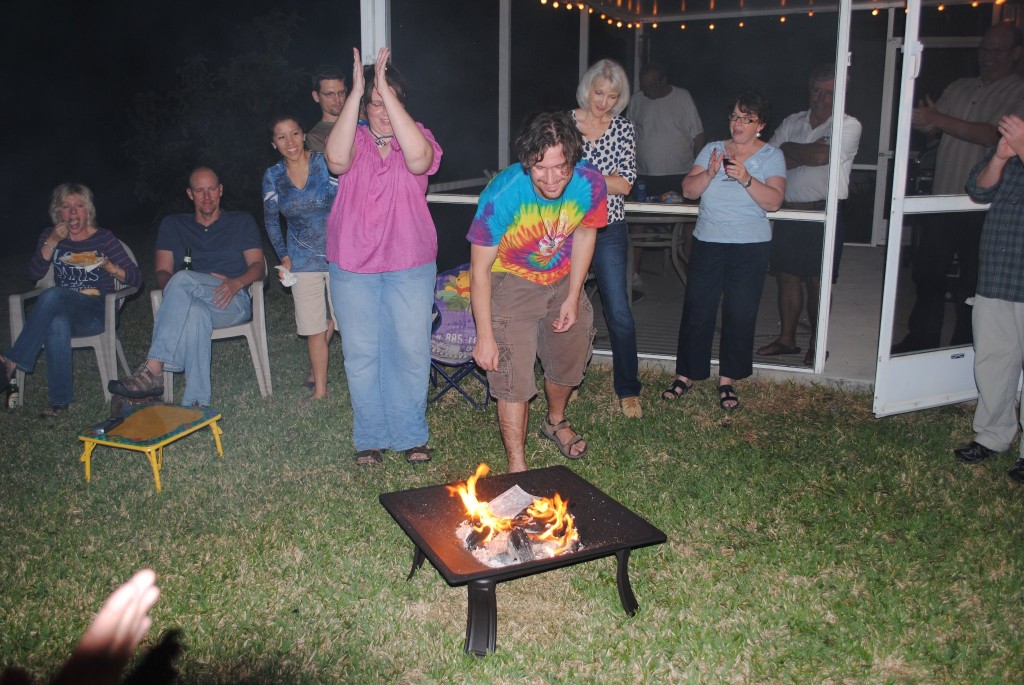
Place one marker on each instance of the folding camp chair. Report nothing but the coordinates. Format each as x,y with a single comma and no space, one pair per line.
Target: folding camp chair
453,337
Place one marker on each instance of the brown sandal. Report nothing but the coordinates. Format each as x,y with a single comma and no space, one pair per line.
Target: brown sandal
368,457
550,431
418,455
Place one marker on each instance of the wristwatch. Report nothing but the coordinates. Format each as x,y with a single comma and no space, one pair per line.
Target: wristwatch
749,182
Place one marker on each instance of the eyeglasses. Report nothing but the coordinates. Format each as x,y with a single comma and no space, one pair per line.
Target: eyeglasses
745,120
334,94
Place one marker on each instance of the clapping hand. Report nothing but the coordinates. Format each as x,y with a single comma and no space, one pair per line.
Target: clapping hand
1011,128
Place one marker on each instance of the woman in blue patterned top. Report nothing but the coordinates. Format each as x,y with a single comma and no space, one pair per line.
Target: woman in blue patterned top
88,262
300,189
610,145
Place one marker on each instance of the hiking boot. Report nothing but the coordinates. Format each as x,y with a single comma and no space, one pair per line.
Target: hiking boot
142,383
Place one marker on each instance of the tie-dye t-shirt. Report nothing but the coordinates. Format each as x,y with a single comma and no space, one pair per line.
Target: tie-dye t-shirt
534,234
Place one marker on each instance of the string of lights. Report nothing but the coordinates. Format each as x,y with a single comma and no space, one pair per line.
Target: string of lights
630,14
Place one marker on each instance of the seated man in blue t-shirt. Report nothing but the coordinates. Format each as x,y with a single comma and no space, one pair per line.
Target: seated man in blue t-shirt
227,256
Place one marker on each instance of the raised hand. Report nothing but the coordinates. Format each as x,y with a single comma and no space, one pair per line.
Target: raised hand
60,231
380,79
358,83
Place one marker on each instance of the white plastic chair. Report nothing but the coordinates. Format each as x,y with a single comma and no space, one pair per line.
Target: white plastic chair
106,343
254,331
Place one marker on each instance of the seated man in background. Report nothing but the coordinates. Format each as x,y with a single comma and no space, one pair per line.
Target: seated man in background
209,290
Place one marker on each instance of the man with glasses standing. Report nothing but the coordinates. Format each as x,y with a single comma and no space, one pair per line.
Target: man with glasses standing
533,238
966,115
329,91
797,246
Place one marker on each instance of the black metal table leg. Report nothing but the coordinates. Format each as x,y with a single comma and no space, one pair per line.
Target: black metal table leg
626,595
482,618
418,557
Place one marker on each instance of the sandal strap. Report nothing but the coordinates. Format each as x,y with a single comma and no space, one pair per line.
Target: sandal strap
564,423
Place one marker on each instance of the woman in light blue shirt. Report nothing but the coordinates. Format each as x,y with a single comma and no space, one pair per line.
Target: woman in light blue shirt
738,181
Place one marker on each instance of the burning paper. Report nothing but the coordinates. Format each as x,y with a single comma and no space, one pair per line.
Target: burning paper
515,526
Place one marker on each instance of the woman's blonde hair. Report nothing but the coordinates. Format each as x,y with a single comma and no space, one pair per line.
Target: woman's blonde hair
612,72
66,190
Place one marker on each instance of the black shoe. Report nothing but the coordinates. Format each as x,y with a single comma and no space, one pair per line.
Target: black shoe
1016,472
973,453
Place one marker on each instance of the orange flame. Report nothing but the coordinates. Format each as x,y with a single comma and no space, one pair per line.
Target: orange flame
552,513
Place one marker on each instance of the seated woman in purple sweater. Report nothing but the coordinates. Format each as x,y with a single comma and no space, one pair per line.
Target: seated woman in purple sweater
87,263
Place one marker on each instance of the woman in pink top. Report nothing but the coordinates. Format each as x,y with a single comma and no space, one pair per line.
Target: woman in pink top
381,252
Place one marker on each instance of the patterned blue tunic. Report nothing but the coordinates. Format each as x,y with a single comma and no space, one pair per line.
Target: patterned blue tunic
306,211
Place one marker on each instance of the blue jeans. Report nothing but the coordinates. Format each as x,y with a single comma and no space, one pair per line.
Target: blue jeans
611,268
732,273
385,321
184,326
58,315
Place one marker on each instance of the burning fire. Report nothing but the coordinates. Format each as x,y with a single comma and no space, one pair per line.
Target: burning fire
546,519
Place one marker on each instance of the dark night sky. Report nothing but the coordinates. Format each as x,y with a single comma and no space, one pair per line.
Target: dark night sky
71,69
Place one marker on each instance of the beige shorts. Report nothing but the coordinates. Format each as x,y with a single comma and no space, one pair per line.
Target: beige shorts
522,314
312,295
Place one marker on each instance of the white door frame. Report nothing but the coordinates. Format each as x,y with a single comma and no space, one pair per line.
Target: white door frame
936,377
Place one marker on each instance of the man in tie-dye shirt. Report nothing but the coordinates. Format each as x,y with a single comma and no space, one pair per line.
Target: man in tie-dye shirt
528,264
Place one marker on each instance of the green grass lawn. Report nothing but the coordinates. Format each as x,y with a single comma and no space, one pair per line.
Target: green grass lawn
807,540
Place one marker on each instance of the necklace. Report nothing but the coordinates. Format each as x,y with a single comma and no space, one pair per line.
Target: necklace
380,141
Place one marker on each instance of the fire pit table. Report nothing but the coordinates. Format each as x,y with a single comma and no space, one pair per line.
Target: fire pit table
430,516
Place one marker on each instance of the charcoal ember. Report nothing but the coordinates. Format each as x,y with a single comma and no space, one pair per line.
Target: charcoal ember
519,541
475,539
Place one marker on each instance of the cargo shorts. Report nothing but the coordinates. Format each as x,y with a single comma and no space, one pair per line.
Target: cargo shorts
522,316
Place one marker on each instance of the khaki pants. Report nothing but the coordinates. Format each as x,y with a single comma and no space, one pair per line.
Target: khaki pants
998,357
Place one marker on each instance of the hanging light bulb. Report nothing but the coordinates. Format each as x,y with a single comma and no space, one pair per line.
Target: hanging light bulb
618,24
811,13
654,25
942,8
782,20
555,4
682,27
742,24
711,27
874,12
